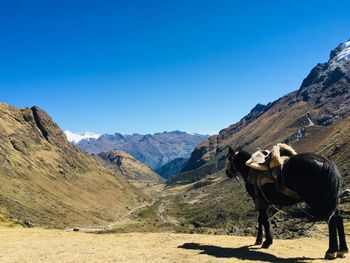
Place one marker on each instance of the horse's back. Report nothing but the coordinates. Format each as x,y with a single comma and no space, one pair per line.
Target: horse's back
316,180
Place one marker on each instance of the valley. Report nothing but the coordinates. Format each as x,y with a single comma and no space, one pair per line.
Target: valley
127,197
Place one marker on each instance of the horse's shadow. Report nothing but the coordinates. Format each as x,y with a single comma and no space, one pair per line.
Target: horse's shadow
242,253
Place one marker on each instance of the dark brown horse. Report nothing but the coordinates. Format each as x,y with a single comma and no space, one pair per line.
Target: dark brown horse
313,178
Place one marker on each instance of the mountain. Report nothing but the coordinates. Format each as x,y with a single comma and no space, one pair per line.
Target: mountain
50,182
322,100
154,150
77,137
172,168
133,170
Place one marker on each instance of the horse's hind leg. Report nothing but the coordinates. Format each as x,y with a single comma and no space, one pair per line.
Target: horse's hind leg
333,240
343,248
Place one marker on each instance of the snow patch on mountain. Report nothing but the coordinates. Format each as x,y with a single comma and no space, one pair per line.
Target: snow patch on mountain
344,54
77,137
340,56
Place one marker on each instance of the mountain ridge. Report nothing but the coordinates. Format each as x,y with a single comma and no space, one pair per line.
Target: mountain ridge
322,100
50,182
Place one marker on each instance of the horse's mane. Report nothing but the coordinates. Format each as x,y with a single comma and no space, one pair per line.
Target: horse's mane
245,154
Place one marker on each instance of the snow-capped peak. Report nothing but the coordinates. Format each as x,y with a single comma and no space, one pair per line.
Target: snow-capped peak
77,137
344,52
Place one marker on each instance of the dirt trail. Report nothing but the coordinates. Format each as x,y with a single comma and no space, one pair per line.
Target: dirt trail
38,245
162,197
162,210
135,209
95,229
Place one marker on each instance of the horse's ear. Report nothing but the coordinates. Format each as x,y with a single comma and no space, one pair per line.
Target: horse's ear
231,151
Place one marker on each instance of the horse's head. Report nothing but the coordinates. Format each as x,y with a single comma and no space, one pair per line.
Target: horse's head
231,170
236,165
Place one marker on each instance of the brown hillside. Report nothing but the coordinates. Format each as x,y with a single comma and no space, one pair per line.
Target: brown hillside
332,141
47,180
137,173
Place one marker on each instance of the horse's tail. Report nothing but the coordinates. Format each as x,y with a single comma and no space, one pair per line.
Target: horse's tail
330,198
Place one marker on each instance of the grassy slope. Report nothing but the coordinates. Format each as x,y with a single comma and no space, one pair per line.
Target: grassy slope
333,142
46,180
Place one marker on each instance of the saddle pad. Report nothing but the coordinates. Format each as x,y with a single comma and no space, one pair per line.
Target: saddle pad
257,161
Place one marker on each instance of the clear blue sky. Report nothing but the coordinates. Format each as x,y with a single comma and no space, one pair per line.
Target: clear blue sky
147,66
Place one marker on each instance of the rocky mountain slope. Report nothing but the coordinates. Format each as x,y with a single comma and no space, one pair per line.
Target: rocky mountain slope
172,168
133,170
322,100
48,181
153,150
332,141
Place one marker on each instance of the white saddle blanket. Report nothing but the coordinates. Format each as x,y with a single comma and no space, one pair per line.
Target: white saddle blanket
258,159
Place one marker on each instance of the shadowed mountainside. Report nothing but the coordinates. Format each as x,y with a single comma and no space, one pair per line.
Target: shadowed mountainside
172,168
47,180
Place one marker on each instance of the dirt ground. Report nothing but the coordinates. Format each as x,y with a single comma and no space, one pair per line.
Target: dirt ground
39,245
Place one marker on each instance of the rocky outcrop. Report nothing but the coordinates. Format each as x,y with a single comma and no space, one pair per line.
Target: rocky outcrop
154,150
48,181
133,170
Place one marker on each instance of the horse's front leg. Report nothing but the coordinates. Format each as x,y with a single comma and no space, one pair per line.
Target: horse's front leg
259,235
263,219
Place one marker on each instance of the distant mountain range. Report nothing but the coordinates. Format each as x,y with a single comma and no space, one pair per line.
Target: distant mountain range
306,118
154,150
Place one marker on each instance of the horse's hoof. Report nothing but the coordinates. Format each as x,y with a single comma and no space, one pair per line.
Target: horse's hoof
266,244
342,254
258,242
330,255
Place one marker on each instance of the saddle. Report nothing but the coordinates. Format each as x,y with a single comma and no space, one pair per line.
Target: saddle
269,160
268,166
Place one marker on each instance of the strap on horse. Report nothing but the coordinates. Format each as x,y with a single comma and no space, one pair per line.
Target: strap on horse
262,179
281,187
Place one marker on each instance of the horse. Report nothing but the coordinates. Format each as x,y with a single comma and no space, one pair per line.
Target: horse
312,178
